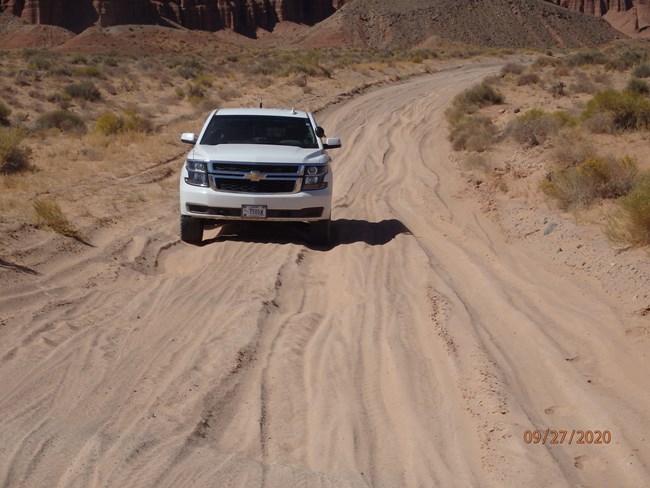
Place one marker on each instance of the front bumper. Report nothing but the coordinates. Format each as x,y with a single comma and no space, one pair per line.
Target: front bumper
303,206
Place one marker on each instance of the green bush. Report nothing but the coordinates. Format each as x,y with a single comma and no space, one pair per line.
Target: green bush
14,158
628,110
642,71
635,217
594,178
638,86
61,119
533,127
84,90
110,123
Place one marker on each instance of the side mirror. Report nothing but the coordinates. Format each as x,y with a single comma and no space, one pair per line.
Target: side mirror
320,132
188,138
332,143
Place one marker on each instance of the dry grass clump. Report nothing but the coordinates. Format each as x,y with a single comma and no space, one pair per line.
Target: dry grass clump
594,178
14,157
63,120
632,223
628,110
49,214
110,123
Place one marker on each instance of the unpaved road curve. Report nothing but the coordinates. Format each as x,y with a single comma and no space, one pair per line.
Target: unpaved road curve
414,353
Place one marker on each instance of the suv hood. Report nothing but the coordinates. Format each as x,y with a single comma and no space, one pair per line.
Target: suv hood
259,153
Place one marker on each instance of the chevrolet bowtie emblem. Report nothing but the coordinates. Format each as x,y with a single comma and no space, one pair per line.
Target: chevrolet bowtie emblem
254,176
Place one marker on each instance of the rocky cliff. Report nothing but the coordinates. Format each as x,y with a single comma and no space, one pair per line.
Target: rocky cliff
631,17
243,16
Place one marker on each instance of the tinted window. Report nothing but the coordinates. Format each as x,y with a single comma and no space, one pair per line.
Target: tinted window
256,129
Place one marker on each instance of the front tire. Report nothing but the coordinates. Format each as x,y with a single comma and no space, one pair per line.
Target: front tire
191,229
321,231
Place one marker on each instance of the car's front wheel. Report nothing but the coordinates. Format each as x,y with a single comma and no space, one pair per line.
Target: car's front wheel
321,231
191,229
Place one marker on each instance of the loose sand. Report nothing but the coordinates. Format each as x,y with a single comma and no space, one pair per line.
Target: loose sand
417,351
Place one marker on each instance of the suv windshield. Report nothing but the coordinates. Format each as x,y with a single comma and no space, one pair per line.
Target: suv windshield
260,129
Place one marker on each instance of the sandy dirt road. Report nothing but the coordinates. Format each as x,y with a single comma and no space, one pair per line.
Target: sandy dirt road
415,352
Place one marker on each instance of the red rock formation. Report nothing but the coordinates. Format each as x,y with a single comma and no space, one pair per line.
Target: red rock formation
243,16
600,7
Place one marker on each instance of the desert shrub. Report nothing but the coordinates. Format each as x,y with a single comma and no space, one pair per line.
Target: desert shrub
528,79
194,90
90,71
49,214
585,57
61,119
533,127
190,68
84,90
229,93
5,112
642,71
628,110
14,157
626,59
512,69
594,178
632,224
39,62
472,132
638,86
600,123
204,80
78,58
545,61
571,147
469,101
179,92
110,123
60,70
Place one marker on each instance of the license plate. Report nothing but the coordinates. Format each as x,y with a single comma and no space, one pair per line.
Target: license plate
253,211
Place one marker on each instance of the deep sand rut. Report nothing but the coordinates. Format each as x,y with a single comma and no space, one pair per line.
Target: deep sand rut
415,352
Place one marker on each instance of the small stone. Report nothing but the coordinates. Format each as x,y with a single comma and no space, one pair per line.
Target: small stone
559,249
550,228
517,110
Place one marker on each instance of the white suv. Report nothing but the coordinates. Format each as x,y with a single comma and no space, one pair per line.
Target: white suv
257,165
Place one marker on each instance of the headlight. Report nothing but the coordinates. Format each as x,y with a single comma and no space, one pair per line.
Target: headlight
196,173
314,178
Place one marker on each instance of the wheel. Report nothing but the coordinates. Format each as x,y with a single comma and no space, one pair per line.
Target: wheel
321,231
191,229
